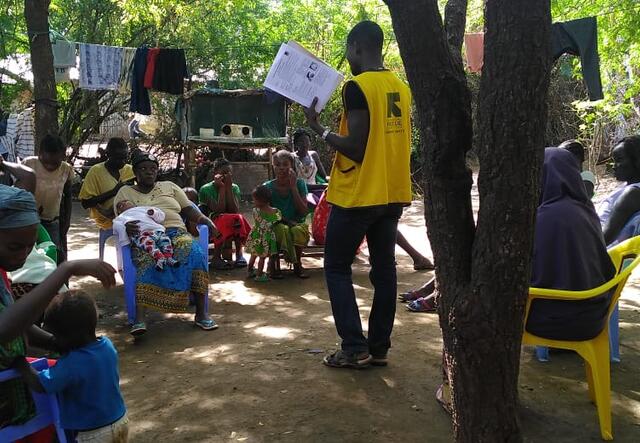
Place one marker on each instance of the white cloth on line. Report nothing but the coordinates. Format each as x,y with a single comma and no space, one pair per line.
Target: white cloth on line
100,66
64,54
9,139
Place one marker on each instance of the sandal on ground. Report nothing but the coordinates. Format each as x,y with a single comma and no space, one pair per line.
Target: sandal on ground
379,360
206,324
341,359
138,329
406,297
241,263
443,397
298,270
422,305
424,266
261,278
221,265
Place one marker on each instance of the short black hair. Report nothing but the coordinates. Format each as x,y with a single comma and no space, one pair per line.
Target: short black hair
299,133
631,145
220,163
52,144
72,315
574,147
367,34
262,193
116,143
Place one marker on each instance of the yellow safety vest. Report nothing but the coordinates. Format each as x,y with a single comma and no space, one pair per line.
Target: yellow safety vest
384,176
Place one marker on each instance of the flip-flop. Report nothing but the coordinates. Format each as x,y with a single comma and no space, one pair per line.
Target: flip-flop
261,278
422,305
241,263
206,325
138,329
407,297
442,401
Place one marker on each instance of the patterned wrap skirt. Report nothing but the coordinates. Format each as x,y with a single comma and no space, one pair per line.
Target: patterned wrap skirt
168,289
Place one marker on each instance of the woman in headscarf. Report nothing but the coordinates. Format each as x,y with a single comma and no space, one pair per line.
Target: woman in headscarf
19,222
167,289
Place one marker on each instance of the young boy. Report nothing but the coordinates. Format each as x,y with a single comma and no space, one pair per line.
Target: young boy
53,180
86,377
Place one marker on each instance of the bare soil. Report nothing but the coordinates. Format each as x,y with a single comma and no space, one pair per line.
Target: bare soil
259,378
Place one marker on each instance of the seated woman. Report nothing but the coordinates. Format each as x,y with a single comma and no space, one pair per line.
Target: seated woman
288,194
308,166
221,197
19,222
167,289
620,212
569,253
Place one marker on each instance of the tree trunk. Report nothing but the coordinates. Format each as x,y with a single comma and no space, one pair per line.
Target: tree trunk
36,13
482,271
455,21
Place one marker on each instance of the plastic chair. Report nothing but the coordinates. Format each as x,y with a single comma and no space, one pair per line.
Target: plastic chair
129,273
595,351
43,236
47,410
104,235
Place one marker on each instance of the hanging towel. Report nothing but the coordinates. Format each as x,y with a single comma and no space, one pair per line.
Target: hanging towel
99,66
139,94
25,134
64,54
152,56
580,38
62,74
126,70
474,49
170,71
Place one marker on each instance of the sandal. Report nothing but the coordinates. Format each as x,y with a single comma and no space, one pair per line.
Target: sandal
341,359
422,305
298,270
206,324
138,329
406,297
261,278
221,265
241,263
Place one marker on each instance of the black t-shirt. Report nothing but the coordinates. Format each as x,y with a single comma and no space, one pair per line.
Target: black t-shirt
354,97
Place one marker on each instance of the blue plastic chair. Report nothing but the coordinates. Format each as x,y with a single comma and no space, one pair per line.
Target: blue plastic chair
102,239
47,410
129,273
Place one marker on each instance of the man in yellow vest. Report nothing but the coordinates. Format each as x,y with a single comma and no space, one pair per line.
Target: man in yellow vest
370,184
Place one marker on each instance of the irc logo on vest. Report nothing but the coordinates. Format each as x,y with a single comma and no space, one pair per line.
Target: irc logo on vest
394,113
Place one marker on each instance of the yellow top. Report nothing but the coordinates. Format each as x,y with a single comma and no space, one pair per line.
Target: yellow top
98,181
384,175
49,186
165,195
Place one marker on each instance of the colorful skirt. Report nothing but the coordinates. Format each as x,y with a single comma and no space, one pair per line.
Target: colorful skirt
169,289
231,227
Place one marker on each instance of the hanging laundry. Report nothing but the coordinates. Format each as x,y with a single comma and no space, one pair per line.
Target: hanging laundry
99,66
152,56
474,49
62,74
64,54
139,94
8,140
580,38
126,70
25,134
170,71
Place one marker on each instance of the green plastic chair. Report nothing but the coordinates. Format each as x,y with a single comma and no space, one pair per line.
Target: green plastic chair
50,251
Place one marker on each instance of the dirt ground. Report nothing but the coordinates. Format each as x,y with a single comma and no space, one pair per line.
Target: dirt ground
259,378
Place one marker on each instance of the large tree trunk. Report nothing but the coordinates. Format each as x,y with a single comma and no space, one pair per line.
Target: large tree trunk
482,272
36,13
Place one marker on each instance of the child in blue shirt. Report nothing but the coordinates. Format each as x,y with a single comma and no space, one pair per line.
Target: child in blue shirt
86,377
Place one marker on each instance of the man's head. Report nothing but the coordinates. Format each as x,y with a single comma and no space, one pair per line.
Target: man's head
117,153
364,45
626,159
221,166
574,147
52,152
72,317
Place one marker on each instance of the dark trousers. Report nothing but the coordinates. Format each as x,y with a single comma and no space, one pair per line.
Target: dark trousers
345,230
58,239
